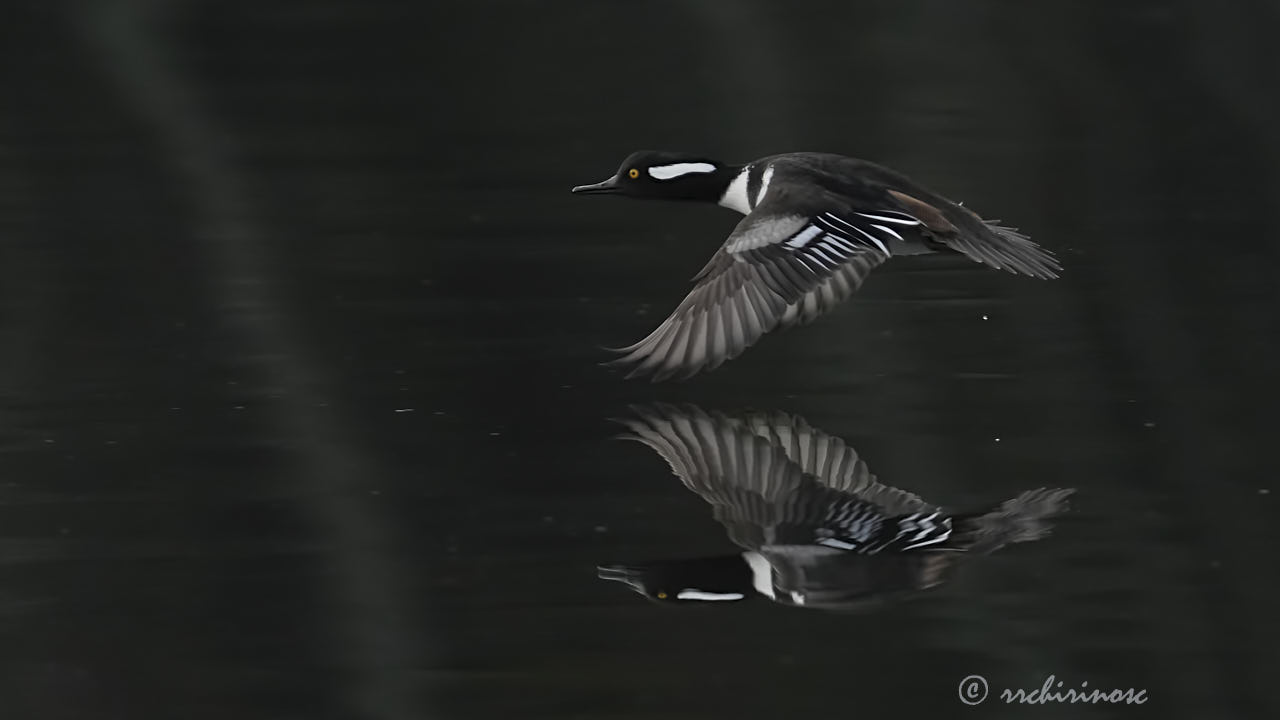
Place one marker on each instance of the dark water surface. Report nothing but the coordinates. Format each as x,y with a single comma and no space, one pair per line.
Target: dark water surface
300,409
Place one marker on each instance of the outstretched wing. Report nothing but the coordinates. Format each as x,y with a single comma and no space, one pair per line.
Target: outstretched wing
832,462
772,271
713,455
771,479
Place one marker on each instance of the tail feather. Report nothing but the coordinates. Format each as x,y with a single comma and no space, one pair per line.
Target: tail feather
1022,519
1005,248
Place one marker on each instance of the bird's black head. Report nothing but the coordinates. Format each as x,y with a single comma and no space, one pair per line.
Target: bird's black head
667,175
724,578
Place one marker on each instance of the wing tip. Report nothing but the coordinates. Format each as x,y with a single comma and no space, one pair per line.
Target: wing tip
1021,254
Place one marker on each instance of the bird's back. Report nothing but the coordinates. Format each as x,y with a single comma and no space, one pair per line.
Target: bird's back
829,179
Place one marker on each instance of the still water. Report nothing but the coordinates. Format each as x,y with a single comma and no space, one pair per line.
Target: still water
299,332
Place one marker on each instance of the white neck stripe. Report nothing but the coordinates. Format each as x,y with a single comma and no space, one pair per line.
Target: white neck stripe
735,196
764,186
761,573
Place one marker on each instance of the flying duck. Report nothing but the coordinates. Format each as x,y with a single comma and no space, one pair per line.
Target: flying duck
816,224
816,528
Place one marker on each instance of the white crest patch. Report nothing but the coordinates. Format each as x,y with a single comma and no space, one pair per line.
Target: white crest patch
701,595
668,172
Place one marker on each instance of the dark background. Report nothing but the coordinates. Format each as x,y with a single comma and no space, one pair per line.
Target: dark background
300,415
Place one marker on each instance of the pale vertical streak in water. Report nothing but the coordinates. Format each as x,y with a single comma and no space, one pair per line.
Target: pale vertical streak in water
1015,646
756,109
1093,80
24,289
1239,70
1155,339
378,637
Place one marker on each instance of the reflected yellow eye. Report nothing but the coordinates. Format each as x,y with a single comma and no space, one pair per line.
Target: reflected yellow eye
661,595
633,174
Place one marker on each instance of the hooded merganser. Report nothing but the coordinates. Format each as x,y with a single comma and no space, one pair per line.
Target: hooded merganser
816,224
817,528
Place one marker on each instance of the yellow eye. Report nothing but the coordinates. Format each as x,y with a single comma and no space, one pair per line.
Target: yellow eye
633,174
661,595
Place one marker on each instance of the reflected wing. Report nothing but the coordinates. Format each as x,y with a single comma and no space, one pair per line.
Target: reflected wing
1025,518
771,478
772,271
832,462
714,456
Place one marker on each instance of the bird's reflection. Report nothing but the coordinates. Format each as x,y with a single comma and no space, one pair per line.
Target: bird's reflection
817,529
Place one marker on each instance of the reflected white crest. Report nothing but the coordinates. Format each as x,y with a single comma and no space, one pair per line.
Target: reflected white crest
700,595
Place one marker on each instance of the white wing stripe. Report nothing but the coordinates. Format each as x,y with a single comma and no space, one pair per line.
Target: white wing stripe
803,237
829,217
924,531
895,220
834,249
842,243
891,232
931,541
873,239
818,251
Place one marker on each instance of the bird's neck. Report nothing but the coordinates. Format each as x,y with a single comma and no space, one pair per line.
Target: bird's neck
736,189
706,187
720,574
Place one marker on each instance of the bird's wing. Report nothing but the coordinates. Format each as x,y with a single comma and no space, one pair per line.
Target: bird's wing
832,462
983,241
831,292
770,479
774,270
713,455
